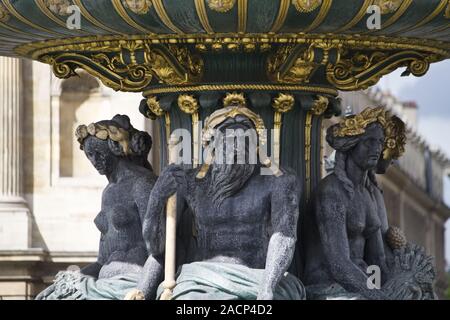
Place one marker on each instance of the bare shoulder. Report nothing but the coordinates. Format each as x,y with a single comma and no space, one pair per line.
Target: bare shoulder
283,182
144,181
330,200
329,186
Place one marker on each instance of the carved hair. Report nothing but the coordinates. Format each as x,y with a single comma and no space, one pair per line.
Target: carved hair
343,145
220,115
234,106
123,139
393,127
226,180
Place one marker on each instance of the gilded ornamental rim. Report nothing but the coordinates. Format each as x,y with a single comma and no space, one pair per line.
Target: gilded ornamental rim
351,41
316,89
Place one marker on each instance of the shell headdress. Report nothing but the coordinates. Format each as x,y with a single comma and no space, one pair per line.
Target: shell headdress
221,115
395,140
104,132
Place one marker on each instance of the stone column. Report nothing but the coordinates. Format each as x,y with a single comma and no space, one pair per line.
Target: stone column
14,214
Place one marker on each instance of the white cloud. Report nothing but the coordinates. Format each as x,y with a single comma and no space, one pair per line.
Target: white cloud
433,129
396,84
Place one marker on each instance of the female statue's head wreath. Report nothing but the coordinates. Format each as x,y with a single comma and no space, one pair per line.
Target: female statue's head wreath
122,138
345,135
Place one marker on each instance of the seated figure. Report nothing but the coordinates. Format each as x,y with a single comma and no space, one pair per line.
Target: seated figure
347,234
411,270
244,222
118,151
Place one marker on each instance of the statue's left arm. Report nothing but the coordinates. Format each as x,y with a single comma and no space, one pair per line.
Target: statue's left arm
142,188
152,272
377,250
153,229
284,216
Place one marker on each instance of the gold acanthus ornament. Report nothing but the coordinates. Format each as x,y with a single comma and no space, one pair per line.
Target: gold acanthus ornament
306,5
320,105
298,63
447,11
345,68
4,15
388,6
129,65
283,103
221,5
59,7
233,45
140,7
395,138
394,129
232,99
301,71
188,104
190,62
360,70
154,107
348,63
281,69
356,124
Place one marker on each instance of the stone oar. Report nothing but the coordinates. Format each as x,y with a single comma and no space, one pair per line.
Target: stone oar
171,230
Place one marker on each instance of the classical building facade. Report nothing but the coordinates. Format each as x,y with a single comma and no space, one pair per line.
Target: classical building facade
50,194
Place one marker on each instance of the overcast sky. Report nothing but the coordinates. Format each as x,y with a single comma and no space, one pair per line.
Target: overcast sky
431,93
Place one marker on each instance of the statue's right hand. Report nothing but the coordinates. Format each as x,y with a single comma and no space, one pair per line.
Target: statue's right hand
172,178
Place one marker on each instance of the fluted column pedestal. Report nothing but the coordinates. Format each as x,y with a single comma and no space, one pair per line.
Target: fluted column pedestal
15,226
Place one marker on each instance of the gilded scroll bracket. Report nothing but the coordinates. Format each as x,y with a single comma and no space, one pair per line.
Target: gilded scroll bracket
343,68
129,65
141,64
358,70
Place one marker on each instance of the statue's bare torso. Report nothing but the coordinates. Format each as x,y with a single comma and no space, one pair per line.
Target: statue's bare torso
359,216
122,247
238,231
256,226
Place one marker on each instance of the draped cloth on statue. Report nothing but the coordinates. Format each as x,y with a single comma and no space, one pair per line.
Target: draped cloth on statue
226,281
71,285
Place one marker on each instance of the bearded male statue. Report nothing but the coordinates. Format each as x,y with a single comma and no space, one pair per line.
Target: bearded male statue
245,222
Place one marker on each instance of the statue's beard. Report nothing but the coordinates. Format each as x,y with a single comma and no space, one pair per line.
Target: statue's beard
227,179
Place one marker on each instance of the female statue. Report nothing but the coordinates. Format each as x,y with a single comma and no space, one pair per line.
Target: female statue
350,250
118,151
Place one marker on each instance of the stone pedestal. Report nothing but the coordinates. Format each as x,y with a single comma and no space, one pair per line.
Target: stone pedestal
15,226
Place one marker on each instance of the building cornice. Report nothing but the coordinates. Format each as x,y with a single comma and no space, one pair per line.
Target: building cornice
40,255
402,179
